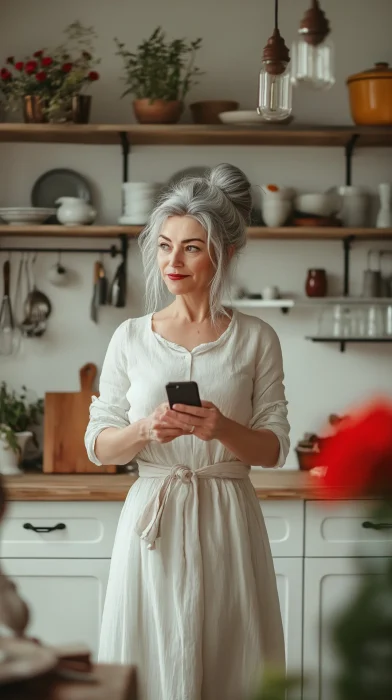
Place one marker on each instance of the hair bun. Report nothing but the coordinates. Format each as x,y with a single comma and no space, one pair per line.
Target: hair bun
235,185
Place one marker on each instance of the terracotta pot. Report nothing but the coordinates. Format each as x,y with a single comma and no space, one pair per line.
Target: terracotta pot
34,109
208,112
316,283
157,111
81,106
370,95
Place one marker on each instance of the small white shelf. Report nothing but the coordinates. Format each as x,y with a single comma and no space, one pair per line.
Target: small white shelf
304,301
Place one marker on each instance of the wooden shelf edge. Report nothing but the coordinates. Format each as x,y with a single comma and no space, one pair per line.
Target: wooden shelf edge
285,233
195,134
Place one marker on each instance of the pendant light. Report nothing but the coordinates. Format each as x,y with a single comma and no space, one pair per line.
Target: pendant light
313,54
275,91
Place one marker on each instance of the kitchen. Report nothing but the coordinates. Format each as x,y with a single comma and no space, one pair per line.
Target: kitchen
52,363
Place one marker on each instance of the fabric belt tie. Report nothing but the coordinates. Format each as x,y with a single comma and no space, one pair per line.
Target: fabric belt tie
148,524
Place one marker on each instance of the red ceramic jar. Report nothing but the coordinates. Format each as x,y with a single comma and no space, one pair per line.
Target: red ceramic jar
316,283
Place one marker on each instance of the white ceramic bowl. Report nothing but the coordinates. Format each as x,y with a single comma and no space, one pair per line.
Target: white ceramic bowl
25,216
318,204
276,212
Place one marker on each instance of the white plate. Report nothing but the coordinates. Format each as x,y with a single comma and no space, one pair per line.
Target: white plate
23,216
244,116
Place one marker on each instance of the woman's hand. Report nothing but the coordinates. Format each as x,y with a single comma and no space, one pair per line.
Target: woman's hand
160,428
207,422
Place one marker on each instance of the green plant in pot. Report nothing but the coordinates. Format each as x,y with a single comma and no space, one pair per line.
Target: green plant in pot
17,418
159,74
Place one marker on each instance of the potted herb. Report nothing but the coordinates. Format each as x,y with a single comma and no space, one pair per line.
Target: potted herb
50,84
159,74
17,418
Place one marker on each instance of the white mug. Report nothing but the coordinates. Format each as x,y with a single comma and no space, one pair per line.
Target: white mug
270,293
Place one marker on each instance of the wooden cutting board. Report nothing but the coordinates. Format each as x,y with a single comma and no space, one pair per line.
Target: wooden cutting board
65,421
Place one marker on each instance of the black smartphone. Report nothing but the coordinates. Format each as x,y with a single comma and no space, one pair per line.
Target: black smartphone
186,393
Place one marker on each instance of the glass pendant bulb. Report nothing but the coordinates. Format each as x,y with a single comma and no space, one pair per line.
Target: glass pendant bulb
275,90
313,53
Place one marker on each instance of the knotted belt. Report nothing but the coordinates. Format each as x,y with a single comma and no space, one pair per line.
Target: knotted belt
148,524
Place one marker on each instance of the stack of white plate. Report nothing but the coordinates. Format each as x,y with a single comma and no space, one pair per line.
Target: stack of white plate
139,201
25,216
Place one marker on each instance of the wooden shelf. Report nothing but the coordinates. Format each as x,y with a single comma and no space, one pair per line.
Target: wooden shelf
306,302
286,233
327,339
196,135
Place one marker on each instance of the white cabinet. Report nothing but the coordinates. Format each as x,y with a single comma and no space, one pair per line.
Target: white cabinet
65,597
289,576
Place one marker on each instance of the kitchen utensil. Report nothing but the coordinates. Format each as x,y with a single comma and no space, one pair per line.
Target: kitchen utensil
21,660
388,320
316,283
270,293
66,417
375,322
102,285
371,278
58,274
370,94
318,203
117,291
95,297
138,201
275,212
74,211
384,216
37,306
18,306
60,182
6,317
207,111
275,192
26,216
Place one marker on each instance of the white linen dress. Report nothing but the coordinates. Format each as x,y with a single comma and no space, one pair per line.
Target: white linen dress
192,598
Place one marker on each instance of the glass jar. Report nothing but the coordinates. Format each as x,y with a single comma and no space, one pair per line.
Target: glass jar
316,283
275,93
313,65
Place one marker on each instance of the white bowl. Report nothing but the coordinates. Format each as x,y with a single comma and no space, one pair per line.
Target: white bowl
249,116
276,212
318,204
25,216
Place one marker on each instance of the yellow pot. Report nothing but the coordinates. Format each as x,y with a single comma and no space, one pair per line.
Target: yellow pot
370,95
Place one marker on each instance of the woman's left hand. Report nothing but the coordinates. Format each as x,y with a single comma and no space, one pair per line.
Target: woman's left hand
207,422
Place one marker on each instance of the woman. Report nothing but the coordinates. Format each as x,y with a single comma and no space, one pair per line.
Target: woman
192,598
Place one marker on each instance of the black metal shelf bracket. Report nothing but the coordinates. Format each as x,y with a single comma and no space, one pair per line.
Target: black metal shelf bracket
347,242
349,150
125,148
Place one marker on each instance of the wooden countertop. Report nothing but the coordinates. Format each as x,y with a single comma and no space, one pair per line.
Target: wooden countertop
269,484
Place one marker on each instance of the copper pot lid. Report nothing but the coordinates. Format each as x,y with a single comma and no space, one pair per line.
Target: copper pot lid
380,70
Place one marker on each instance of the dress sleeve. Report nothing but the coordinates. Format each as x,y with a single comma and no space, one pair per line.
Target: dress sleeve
110,409
269,401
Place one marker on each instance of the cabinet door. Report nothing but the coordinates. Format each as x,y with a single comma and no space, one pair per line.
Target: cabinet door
65,597
289,575
329,585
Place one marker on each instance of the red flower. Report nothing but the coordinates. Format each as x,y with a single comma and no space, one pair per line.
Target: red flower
359,457
31,67
19,65
10,60
66,67
93,75
41,76
46,61
38,54
5,74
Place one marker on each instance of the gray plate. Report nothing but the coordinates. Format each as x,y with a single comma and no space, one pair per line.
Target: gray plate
60,182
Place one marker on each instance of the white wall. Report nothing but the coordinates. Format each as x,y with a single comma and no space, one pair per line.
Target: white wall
319,378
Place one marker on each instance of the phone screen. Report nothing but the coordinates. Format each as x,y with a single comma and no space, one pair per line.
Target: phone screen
186,393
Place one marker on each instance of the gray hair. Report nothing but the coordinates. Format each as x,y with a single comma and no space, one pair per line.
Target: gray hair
221,202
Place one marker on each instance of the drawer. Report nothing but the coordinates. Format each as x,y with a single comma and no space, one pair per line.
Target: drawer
284,521
335,529
89,530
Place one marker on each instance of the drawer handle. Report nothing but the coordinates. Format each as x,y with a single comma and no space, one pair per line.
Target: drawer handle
376,526
29,526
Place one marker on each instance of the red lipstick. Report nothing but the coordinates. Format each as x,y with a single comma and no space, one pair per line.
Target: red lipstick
177,277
